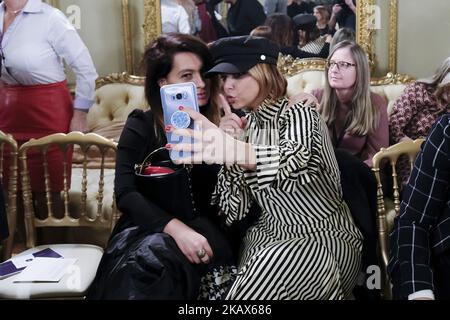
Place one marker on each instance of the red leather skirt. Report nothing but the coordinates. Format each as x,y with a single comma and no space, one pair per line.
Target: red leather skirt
33,112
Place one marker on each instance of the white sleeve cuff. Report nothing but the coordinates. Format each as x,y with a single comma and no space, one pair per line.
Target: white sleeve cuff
421,294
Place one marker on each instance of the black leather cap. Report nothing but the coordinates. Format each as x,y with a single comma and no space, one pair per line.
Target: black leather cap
239,54
304,21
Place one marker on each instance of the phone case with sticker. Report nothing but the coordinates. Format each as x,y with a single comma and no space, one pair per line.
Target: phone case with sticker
172,97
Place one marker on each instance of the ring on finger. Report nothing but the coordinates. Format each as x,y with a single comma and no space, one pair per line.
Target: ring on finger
201,253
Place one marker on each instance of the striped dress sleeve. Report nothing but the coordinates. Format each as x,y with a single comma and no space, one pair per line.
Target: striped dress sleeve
232,194
296,160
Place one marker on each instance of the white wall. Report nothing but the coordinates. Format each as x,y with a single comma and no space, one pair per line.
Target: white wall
423,36
100,23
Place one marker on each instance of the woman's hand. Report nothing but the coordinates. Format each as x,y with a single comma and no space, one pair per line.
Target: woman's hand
307,99
79,121
211,144
193,245
230,122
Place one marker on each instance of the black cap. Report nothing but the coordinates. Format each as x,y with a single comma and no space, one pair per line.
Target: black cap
304,21
239,54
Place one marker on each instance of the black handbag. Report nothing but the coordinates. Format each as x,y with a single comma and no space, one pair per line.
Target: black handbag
172,192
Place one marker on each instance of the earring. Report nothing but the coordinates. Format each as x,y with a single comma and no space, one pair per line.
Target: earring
162,82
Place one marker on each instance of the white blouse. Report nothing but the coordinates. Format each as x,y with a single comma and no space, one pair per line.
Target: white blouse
35,45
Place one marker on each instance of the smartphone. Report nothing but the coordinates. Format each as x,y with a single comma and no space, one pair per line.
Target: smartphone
172,97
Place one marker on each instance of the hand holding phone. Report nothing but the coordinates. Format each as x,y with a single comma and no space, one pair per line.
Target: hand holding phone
174,96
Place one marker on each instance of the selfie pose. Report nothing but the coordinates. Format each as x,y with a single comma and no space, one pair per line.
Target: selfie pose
155,250
304,244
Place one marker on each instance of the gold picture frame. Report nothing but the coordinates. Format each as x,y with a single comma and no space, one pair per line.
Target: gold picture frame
389,45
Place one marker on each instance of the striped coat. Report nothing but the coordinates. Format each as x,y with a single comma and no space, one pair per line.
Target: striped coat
304,245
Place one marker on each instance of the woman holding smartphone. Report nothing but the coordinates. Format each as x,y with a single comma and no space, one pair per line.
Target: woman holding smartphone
151,253
304,245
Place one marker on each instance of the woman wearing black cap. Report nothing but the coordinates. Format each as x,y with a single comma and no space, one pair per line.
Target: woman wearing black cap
153,253
304,244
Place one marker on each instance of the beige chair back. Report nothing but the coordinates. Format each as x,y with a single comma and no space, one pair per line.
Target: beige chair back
83,217
386,210
9,145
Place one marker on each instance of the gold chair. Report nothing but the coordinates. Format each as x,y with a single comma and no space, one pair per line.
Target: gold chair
388,209
83,214
10,189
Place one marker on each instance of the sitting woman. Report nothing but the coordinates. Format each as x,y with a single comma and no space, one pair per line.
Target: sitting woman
356,118
420,241
304,244
415,111
153,254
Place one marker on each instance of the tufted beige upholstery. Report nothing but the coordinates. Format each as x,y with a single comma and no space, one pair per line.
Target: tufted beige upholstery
116,96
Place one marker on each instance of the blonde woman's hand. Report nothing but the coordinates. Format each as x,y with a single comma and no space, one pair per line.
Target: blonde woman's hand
193,245
307,99
231,123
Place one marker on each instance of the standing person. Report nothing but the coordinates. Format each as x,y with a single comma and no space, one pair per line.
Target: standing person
356,118
152,254
243,16
420,241
174,17
418,108
295,7
272,6
208,30
191,9
344,14
304,244
211,8
35,101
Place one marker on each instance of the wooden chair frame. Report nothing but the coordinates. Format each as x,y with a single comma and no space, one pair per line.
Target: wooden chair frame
64,141
11,187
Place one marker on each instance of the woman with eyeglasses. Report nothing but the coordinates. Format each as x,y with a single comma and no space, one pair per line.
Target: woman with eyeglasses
356,118
35,101
304,244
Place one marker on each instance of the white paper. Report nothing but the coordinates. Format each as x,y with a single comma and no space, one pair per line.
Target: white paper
22,261
45,270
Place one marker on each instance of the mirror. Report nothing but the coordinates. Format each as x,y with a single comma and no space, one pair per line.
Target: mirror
400,38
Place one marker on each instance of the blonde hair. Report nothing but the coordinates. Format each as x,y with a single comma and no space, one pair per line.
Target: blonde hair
271,82
438,80
364,115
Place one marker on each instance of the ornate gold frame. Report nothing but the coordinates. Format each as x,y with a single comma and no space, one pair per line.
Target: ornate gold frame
290,66
123,77
152,19
393,13
365,34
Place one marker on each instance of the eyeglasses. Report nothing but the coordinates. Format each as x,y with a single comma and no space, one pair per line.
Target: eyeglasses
341,65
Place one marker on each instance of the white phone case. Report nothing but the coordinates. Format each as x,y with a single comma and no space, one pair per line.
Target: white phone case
172,97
